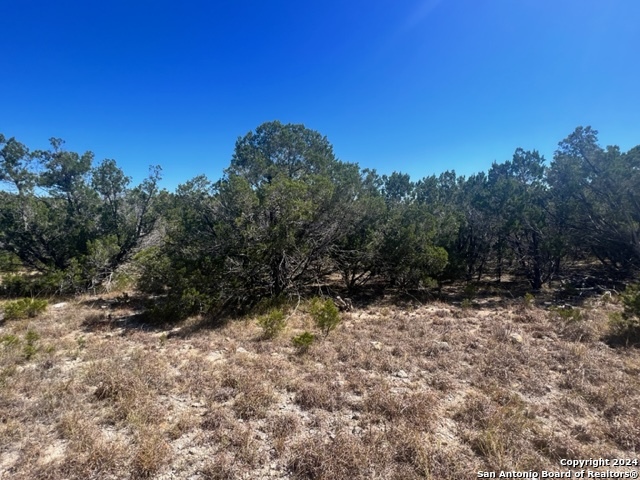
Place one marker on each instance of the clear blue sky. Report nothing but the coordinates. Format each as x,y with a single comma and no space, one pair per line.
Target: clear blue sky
415,86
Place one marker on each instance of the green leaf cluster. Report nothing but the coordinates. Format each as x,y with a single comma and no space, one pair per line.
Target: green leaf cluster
303,341
60,213
272,323
625,326
325,314
24,308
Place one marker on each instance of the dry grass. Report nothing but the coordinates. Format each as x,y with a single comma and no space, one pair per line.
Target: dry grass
432,391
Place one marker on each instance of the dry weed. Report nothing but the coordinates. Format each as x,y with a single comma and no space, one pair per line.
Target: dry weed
152,452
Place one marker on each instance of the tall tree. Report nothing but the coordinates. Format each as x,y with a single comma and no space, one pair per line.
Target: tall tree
519,199
62,214
599,189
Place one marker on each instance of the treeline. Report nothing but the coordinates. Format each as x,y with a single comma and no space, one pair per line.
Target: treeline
287,214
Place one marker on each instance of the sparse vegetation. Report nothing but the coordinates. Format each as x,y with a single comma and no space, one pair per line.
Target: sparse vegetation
420,393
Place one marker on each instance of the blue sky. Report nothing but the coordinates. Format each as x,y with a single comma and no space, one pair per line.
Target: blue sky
414,86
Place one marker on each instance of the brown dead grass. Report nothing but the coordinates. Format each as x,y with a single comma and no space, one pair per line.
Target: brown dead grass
428,391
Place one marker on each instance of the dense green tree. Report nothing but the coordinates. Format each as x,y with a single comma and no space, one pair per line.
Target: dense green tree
269,225
302,197
408,256
356,254
462,228
599,190
520,201
61,214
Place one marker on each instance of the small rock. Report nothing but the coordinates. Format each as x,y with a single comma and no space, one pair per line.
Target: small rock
59,305
516,338
401,374
241,350
376,345
214,356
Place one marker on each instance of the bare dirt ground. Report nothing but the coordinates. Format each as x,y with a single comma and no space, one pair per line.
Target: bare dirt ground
431,391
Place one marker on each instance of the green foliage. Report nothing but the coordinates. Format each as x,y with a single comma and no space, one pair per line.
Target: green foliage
599,190
49,283
175,308
303,341
267,304
407,255
122,280
528,301
325,314
154,270
466,304
631,300
24,308
470,291
266,229
9,340
15,285
521,199
9,262
30,347
625,326
287,214
272,323
59,213
568,314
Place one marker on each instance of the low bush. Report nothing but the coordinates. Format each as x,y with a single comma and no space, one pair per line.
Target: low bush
625,326
325,314
303,341
31,344
528,301
568,314
272,323
24,308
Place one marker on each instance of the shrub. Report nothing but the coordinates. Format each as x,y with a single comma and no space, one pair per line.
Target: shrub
9,262
177,307
50,283
568,314
470,291
325,314
268,304
30,348
14,285
528,301
303,341
272,323
625,326
153,269
24,308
